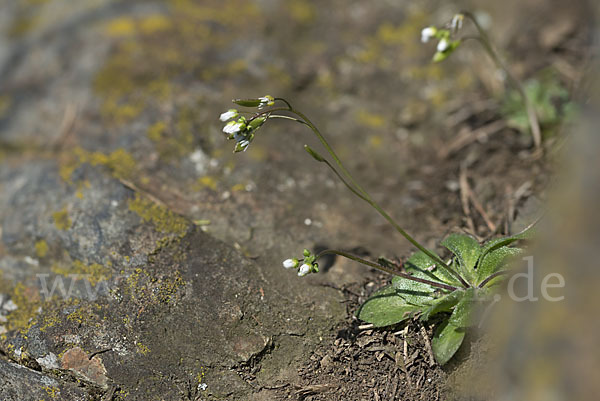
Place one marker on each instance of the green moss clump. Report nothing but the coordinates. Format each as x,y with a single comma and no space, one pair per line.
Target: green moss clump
162,218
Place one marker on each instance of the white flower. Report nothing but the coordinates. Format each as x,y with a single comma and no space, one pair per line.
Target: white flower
289,263
233,127
266,100
228,115
428,33
443,45
304,270
457,21
244,144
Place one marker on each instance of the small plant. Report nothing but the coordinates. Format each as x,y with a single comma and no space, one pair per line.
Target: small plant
549,98
449,40
428,286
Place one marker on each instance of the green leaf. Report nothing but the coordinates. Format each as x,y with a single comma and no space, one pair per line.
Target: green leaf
504,241
446,341
443,304
467,250
385,308
494,261
413,292
422,266
463,311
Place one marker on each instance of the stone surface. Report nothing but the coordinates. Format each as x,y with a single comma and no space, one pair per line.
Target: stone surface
20,383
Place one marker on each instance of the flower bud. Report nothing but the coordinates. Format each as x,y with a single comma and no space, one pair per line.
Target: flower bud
290,263
228,115
306,253
314,154
428,33
304,270
257,122
443,45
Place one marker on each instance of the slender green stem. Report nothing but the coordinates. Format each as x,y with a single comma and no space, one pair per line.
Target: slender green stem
284,101
287,118
337,160
385,269
366,197
354,191
484,40
493,276
260,113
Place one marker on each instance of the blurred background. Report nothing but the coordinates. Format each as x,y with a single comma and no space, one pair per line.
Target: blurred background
104,101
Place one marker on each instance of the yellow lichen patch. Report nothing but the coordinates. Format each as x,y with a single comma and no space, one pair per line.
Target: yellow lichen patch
80,186
229,13
62,220
126,26
152,51
50,319
144,288
301,11
53,392
22,25
207,182
120,162
94,272
375,141
369,119
154,23
120,27
163,219
66,170
238,187
41,248
176,142
82,315
142,349
28,303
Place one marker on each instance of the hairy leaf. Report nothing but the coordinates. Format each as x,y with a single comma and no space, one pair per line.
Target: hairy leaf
443,304
494,261
505,241
446,341
467,251
463,311
413,292
385,308
421,265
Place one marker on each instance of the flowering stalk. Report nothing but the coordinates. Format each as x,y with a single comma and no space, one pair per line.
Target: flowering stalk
385,269
345,175
447,45
485,41
367,198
